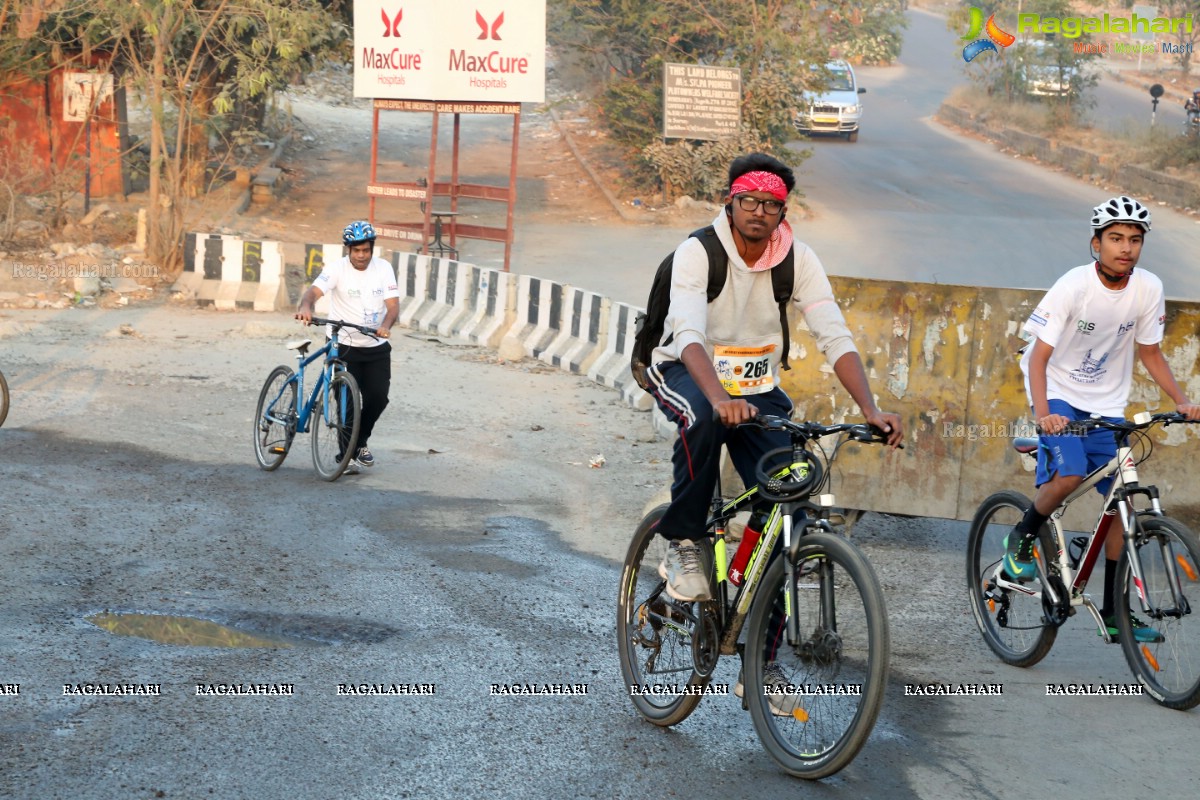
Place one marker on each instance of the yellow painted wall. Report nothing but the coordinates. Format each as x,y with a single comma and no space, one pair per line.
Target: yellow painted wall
944,358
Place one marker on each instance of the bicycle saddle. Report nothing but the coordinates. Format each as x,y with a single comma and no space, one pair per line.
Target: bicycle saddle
300,344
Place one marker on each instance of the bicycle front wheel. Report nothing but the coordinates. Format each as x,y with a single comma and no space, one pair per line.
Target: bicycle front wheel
3,399
1169,666
275,419
335,426
654,642
815,702
1012,621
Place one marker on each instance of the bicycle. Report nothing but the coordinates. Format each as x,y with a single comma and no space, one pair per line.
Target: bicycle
335,403
832,667
3,399
1158,566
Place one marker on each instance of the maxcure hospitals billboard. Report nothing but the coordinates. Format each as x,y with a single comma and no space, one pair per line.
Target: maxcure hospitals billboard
479,50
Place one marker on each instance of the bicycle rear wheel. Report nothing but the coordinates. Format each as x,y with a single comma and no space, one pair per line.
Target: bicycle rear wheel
654,643
335,429
1170,556
1012,622
3,398
275,419
829,687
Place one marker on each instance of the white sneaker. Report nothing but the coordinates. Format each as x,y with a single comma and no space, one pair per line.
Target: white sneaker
782,705
683,571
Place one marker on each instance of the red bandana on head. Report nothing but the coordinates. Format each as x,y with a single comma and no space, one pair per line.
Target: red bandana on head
781,239
760,181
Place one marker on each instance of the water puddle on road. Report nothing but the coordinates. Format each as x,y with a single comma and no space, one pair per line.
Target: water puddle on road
191,631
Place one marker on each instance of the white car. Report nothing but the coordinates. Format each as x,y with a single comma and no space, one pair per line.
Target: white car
837,109
1040,72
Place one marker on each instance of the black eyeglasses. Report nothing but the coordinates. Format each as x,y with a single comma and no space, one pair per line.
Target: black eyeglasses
751,204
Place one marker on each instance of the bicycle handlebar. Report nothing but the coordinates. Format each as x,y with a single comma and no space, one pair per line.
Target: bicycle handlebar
807,431
337,324
1080,427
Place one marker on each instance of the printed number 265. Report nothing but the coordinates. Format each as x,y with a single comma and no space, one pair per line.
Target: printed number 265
754,369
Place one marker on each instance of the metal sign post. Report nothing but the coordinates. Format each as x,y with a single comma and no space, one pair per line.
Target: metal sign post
428,233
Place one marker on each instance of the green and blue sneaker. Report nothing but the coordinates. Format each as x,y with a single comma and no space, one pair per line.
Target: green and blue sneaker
1018,556
1141,631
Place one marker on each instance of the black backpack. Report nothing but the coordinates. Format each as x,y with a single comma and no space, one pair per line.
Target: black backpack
650,324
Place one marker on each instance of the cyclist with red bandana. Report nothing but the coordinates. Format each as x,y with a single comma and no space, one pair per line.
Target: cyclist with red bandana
693,376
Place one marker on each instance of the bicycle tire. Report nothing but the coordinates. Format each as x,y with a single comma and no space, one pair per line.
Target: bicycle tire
640,644
271,436
1169,670
340,433
3,399
1014,627
826,730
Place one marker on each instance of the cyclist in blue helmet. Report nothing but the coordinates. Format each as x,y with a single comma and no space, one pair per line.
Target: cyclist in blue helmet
362,289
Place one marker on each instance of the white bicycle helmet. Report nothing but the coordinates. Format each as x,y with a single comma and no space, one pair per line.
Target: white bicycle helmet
1120,209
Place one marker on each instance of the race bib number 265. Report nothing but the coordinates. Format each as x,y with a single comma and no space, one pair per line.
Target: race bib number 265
744,370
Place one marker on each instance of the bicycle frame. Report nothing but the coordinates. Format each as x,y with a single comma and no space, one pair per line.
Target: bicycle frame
304,406
1123,470
780,521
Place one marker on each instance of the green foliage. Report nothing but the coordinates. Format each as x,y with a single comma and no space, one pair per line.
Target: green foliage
866,33
700,169
628,41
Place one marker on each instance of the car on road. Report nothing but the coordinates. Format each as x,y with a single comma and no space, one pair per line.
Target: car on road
837,108
1043,69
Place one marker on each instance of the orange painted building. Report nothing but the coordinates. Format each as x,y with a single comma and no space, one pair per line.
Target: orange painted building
45,125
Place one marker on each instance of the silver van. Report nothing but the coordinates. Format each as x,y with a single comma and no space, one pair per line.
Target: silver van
838,108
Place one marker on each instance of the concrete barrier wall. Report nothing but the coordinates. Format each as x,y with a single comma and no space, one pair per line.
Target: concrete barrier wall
231,273
944,357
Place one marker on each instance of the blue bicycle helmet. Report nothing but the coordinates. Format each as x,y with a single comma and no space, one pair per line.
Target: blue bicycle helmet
358,232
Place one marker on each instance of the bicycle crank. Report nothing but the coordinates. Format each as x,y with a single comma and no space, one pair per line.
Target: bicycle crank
706,642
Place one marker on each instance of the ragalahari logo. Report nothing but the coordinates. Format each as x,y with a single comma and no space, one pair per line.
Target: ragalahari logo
977,44
483,26
391,27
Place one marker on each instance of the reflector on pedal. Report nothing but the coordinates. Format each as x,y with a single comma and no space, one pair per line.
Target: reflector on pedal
278,450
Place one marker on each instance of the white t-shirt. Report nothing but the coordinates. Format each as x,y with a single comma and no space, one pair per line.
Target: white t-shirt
358,296
1093,330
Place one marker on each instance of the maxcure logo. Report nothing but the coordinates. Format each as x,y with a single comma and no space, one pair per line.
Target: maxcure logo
483,26
394,59
488,68
391,27
977,44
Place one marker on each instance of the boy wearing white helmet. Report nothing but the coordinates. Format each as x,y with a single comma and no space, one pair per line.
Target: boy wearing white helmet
1086,331
362,289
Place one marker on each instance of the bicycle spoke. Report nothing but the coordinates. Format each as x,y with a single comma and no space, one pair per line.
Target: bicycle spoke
275,419
1170,563
815,701
1012,622
654,636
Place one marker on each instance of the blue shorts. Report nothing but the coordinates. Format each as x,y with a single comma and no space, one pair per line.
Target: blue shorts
1070,454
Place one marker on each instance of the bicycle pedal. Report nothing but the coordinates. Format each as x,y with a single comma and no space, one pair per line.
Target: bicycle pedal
277,450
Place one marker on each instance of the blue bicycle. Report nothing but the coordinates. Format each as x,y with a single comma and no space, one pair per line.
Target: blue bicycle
334,407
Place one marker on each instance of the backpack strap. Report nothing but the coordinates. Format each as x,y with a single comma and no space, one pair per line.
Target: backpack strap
718,261
783,280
